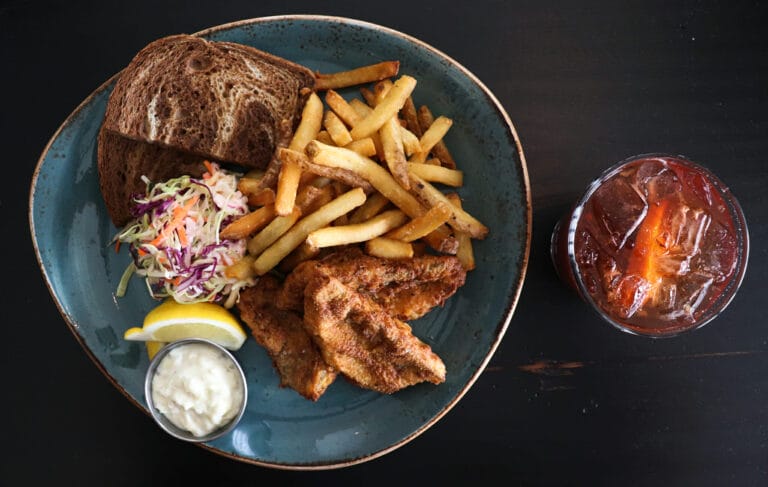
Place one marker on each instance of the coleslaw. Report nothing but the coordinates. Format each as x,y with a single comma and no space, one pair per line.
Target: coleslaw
174,238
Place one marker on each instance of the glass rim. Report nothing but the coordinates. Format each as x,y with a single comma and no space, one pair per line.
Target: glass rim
742,235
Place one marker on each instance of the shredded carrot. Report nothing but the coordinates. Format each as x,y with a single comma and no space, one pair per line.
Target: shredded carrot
179,213
209,167
117,247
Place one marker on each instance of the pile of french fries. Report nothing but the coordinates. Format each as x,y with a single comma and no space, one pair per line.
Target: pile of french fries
361,171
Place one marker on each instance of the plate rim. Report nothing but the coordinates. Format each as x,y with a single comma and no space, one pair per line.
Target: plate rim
501,329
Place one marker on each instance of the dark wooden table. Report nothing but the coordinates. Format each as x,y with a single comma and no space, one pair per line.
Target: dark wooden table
586,84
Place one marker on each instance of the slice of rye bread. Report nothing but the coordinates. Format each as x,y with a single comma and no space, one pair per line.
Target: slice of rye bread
194,99
219,100
122,162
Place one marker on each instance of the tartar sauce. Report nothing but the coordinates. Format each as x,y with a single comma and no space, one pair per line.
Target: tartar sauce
197,388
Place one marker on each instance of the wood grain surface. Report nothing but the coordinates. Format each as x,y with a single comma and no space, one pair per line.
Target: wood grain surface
566,399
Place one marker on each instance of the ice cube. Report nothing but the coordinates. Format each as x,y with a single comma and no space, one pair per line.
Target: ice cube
619,208
692,291
598,264
681,237
649,169
690,226
609,272
719,253
662,185
664,295
628,294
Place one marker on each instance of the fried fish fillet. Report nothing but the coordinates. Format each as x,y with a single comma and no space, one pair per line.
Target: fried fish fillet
407,288
294,354
363,341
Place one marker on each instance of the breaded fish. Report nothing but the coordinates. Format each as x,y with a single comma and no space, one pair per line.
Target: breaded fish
407,288
294,354
363,341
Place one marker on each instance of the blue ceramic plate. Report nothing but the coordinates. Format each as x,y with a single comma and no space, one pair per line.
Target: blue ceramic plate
71,233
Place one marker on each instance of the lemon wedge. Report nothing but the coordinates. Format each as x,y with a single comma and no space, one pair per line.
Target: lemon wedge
153,348
171,321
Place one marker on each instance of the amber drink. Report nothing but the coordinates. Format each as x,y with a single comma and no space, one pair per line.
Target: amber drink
658,245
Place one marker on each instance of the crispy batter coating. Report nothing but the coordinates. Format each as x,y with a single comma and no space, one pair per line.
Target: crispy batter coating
407,288
363,341
294,354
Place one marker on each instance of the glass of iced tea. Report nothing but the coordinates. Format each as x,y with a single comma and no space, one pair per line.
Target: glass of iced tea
657,245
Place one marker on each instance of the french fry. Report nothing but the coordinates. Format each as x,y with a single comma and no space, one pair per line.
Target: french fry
261,198
242,270
382,180
324,137
336,128
269,234
321,182
391,139
460,220
440,150
465,254
411,119
363,111
360,107
247,185
330,152
431,137
306,178
299,231
357,76
311,121
410,141
389,106
310,198
339,188
394,154
365,147
388,249
437,174
372,207
249,223
347,177
255,174
340,107
355,233
380,90
423,225
368,96
287,185
290,173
